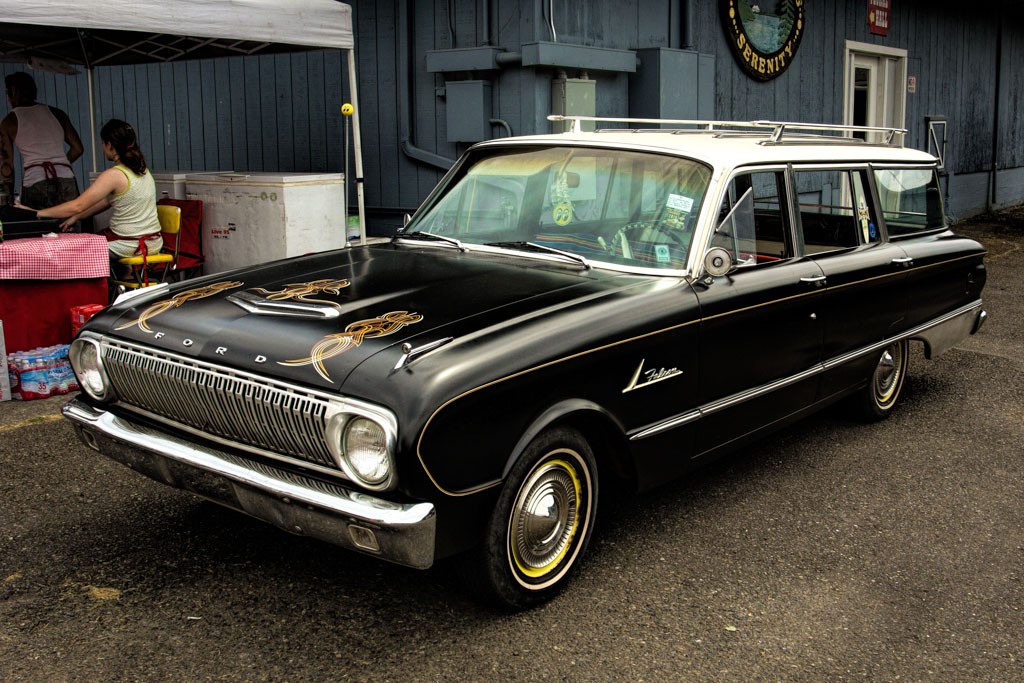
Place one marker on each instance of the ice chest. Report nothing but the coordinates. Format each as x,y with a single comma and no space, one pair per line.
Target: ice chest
251,218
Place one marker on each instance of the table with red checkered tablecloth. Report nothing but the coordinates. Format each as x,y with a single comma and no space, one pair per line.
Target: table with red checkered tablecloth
42,278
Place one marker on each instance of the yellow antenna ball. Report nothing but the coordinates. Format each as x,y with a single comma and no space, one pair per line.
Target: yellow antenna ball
347,109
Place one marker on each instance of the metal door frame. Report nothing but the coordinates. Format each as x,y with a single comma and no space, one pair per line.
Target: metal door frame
888,89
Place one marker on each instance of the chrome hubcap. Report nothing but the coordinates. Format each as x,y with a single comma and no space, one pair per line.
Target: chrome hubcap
545,518
887,373
885,370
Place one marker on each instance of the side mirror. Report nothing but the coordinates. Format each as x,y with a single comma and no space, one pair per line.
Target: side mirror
717,261
405,220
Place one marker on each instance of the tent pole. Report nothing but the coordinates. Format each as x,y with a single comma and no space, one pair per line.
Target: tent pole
92,120
356,142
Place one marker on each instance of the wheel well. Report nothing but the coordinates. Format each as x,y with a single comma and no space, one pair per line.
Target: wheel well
610,447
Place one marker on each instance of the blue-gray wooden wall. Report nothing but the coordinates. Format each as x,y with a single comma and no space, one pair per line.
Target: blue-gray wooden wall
281,112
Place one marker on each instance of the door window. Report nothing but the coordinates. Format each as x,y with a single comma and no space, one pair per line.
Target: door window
753,223
835,210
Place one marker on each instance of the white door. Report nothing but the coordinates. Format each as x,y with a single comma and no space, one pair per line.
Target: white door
875,93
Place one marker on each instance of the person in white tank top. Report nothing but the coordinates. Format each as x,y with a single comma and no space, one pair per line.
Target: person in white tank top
40,133
128,187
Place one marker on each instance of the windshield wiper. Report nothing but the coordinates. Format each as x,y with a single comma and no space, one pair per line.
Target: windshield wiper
419,234
533,246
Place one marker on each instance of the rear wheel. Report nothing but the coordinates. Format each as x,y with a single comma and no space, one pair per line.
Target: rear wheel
542,523
877,399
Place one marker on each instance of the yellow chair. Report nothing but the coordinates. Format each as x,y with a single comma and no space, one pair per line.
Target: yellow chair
155,268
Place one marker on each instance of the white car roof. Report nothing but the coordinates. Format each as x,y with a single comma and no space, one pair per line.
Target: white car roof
734,144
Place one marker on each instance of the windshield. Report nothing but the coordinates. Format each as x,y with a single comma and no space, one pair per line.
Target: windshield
613,206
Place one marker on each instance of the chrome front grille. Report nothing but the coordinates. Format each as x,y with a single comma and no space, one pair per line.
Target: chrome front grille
262,414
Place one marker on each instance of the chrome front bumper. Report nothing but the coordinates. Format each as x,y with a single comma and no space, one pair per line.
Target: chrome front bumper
400,533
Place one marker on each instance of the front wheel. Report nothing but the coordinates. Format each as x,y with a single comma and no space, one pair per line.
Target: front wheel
542,522
876,400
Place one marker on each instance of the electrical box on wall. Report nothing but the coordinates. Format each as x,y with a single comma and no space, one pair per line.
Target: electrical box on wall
573,97
672,84
468,108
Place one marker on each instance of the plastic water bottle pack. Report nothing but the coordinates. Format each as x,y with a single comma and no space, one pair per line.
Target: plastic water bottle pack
41,373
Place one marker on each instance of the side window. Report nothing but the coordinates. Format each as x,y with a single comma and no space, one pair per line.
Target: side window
753,223
835,210
911,200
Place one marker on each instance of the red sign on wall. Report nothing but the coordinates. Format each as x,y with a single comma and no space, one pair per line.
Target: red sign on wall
879,14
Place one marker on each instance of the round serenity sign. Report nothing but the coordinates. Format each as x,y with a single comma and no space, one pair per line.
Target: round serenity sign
764,34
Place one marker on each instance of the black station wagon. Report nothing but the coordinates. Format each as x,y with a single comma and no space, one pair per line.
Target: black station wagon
565,314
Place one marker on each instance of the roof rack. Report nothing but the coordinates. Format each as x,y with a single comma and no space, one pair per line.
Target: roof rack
774,132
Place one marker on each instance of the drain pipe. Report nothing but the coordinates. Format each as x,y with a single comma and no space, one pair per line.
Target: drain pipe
995,120
485,20
688,38
674,24
405,88
551,21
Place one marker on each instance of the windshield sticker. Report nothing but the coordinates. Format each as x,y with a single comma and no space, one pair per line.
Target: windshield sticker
562,213
661,253
864,217
336,344
677,208
176,301
680,203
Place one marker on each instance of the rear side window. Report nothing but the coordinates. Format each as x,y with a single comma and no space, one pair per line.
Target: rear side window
835,210
911,200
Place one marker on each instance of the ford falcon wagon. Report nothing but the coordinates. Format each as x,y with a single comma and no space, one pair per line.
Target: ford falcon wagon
565,315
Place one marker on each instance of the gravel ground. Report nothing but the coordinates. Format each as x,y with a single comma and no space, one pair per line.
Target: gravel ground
830,551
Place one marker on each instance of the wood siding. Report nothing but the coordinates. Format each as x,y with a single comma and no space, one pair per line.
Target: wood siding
282,112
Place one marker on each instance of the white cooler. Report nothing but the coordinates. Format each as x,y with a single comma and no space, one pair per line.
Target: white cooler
251,218
171,184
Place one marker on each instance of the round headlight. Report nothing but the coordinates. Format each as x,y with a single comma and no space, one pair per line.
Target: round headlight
87,361
365,451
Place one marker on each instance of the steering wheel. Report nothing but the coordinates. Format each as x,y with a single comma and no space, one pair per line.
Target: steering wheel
646,232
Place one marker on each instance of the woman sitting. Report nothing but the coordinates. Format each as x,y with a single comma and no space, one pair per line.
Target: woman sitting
128,187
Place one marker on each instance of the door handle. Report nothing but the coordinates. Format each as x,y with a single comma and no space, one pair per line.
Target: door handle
816,280
905,261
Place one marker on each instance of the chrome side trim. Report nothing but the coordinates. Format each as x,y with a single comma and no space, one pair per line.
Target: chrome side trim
951,331
678,421
919,332
938,335
727,402
290,501
743,397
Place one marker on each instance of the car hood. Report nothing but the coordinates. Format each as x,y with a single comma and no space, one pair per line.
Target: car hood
314,319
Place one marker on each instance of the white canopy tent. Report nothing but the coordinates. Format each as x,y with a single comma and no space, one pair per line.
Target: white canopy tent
102,32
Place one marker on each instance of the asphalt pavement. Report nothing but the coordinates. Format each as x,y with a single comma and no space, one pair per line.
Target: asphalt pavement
831,551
